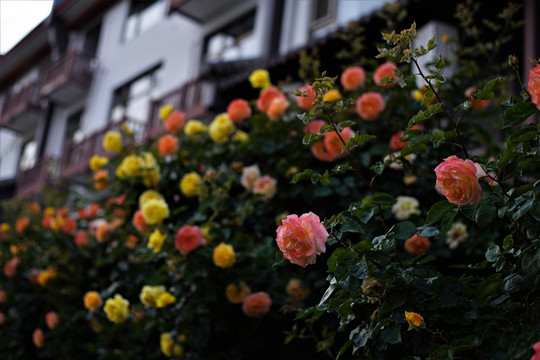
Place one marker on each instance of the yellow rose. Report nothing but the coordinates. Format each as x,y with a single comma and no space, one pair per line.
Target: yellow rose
117,309
112,141
5,227
260,78
132,165
165,110
224,255
332,95
168,346
221,128
49,211
165,299
151,177
191,184
240,136
97,162
415,320
150,294
156,240
154,211
195,128
147,195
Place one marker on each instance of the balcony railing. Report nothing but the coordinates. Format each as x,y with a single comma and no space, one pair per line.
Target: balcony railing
193,98
21,110
68,78
76,155
35,178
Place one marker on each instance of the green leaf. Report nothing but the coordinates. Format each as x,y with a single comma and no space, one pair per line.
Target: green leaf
344,348
411,149
404,230
382,199
517,114
358,140
391,335
493,253
327,294
427,232
437,211
485,215
531,262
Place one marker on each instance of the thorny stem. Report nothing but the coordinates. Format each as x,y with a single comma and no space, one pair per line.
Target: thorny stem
458,133
353,160
440,336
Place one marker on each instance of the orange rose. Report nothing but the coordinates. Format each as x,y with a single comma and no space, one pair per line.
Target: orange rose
21,224
295,289
10,267
167,145
413,319
236,295
266,97
353,78
101,178
238,110
417,245
51,318
69,225
174,122
81,238
385,70
370,105
131,241
477,104
138,222
92,300
38,338
277,107
256,305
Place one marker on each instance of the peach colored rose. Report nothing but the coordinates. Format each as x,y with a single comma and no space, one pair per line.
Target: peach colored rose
369,105
38,338
236,295
533,86
306,102
295,289
477,104
101,179
265,185
385,70
320,152
333,143
457,179
238,110
167,145
266,97
174,122
277,107
92,300
257,304
81,238
21,224
188,238
93,209
81,213
314,126
102,232
353,78
138,221
395,144
417,245
10,267
301,239
51,318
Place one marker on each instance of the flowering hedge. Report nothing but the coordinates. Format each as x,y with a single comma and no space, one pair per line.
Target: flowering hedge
361,216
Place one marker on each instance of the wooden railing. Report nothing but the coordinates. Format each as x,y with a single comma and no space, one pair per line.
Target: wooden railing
17,103
72,67
35,178
193,98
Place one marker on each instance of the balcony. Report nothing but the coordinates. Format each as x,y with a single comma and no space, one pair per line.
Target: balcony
193,98
202,10
34,179
67,79
21,111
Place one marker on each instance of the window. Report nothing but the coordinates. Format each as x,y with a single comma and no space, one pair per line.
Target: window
91,40
73,128
131,102
143,14
233,41
28,155
323,13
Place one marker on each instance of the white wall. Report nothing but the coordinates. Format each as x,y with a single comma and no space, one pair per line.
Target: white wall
174,42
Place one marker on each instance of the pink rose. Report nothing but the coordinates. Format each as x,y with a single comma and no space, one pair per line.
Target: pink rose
51,318
306,102
266,186
385,70
457,179
38,338
353,78
277,107
238,110
416,245
370,105
188,239
302,239
314,126
256,305
533,85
